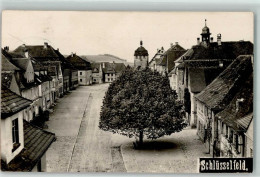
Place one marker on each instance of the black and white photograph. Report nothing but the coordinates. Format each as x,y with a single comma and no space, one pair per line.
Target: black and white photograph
127,92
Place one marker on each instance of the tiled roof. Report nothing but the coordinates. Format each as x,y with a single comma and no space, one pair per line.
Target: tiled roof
227,50
6,64
39,52
102,58
233,115
113,67
171,55
95,67
36,143
244,122
79,62
218,94
21,62
11,103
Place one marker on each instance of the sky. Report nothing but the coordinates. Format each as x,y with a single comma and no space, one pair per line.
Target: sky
119,33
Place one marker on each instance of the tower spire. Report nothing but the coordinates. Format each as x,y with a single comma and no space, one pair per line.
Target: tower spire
205,22
141,43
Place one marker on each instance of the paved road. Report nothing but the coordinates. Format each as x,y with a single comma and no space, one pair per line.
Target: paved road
82,147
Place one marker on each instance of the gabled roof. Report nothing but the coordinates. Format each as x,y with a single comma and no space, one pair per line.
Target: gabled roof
113,67
220,92
39,52
227,50
95,67
239,116
6,64
36,143
171,55
21,62
244,122
11,103
78,62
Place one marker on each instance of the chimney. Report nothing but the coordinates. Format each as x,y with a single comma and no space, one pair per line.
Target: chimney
176,43
219,39
6,48
171,44
72,54
103,65
58,49
198,41
211,39
158,50
23,45
45,45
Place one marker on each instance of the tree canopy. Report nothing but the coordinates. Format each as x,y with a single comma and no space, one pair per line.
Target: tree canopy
141,101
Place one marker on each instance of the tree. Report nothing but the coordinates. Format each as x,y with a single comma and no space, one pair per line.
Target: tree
141,103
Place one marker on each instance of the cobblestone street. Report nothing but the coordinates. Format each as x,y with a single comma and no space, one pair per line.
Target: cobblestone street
82,147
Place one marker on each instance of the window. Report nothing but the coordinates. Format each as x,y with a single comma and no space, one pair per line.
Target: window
112,74
111,79
108,79
107,74
80,73
95,80
80,80
15,134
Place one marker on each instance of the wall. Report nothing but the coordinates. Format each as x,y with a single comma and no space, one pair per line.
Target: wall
110,77
249,141
141,61
6,137
85,77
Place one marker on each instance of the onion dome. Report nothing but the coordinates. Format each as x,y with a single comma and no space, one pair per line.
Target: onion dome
141,51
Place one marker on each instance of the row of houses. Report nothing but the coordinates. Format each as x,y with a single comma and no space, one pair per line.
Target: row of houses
214,80
33,78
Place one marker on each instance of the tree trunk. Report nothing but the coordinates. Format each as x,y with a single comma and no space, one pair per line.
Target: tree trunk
141,137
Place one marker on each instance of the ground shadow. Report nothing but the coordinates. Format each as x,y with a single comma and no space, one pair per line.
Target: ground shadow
157,145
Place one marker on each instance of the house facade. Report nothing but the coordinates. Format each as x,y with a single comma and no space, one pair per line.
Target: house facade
97,73
47,56
202,64
16,153
84,69
218,105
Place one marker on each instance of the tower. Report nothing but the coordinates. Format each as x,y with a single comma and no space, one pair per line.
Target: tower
141,57
205,35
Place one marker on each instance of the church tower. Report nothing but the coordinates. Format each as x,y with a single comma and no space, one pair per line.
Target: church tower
205,35
141,57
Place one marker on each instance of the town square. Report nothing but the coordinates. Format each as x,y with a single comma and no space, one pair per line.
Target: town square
115,92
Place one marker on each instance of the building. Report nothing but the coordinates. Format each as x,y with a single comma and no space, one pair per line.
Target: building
111,71
23,82
166,63
23,145
97,73
47,56
83,67
234,129
217,96
141,57
45,87
201,64
156,59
